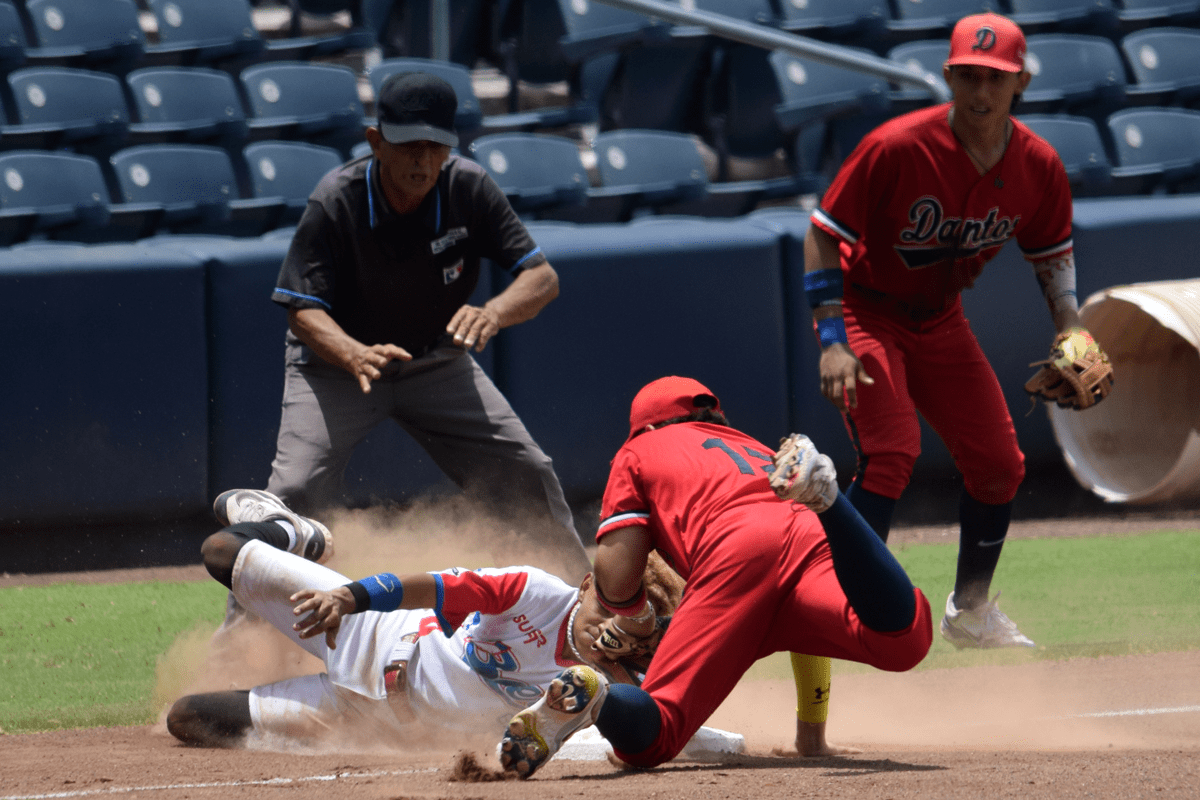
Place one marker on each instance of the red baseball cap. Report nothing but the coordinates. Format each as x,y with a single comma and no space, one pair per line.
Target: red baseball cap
988,40
667,398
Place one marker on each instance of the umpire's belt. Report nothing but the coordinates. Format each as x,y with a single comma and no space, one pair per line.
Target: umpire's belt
395,681
890,303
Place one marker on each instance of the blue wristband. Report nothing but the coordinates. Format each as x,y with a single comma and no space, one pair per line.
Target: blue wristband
831,330
385,590
823,287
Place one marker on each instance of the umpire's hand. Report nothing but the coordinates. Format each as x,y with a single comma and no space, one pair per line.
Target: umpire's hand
474,326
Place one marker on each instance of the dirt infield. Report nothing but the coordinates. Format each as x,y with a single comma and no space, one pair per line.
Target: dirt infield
1113,727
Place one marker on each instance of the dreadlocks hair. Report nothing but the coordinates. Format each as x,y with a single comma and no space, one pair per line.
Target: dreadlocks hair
709,415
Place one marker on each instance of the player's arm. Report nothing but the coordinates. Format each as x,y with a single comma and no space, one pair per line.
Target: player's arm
530,291
620,564
1056,276
841,371
317,329
383,592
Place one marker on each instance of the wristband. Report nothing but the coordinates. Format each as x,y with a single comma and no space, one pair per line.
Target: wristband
832,330
630,607
823,287
383,592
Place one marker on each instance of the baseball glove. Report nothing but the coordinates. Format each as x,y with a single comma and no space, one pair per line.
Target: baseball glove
1076,375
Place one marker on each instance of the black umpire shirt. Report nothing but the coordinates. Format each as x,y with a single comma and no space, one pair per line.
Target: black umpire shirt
390,278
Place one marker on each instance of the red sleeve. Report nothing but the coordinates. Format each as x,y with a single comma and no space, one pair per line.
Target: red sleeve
1049,231
462,593
624,502
863,179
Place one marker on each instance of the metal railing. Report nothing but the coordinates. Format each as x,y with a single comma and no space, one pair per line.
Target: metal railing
772,39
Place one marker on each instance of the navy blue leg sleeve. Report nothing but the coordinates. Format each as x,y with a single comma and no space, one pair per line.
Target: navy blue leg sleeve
629,718
876,585
876,509
983,531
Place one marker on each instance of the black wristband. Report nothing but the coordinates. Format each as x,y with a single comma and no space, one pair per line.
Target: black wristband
362,600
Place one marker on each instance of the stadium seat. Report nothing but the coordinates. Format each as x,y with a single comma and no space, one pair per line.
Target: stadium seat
1157,147
290,170
63,192
89,34
329,40
1093,17
197,188
856,22
185,104
1135,14
538,173
199,32
12,38
931,19
927,54
1166,66
299,100
1075,73
592,29
402,29
1081,148
62,106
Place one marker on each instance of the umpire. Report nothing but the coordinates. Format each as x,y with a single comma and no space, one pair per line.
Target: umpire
376,284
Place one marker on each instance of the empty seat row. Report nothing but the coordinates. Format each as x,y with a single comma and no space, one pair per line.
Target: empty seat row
159,188
53,107
108,35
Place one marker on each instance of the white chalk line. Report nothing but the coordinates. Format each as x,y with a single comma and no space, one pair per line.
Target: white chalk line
1137,712
217,785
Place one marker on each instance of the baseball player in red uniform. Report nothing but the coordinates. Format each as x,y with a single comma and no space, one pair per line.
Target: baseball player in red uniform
912,217
762,576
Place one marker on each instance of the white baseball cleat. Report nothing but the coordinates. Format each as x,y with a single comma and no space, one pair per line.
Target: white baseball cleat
313,540
803,474
985,627
571,703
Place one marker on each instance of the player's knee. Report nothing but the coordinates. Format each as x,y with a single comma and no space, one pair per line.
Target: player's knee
218,552
999,484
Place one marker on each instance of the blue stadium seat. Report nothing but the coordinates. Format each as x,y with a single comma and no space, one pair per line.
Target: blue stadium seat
931,19
927,54
1093,17
299,100
1159,147
537,173
185,104
402,28
63,193
1075,73
1081,148
1134,14
290,170
196,186
199,32
857,22
90,34
329,40
1166,66
590,29
63,106
12,38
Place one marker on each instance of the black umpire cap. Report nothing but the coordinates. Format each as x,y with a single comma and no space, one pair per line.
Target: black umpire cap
417,107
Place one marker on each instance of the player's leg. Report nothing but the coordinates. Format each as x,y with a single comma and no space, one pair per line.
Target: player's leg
814,679
884,428
325,415
977,428
215,719
455,412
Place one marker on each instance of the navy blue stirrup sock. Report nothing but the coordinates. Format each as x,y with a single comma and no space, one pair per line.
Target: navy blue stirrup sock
629,718
983,530
876,509
876,585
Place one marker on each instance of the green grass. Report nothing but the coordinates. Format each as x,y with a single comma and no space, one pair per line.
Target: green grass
75,656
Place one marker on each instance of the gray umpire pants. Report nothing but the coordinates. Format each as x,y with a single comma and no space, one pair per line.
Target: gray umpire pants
452,409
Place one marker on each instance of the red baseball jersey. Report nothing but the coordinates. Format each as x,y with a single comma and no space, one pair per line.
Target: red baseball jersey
678,479
918,222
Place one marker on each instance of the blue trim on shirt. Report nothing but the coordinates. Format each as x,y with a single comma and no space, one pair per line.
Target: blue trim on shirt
447,628
303,297
370,193
530,255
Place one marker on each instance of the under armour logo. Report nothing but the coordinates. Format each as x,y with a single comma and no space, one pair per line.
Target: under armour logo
985,39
